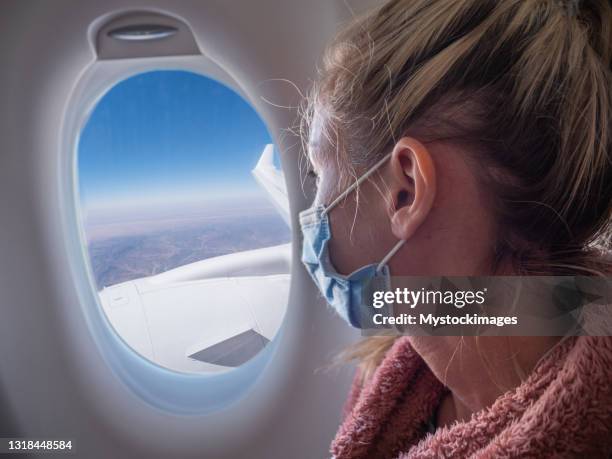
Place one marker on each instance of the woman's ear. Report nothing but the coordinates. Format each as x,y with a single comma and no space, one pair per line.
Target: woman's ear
413,186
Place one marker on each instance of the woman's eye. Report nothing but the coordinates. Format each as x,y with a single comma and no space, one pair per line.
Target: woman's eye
312,174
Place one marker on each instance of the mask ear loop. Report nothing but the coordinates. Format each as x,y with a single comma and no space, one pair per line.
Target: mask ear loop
357,182
392,252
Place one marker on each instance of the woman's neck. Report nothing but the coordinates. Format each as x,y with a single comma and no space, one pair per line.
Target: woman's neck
477,370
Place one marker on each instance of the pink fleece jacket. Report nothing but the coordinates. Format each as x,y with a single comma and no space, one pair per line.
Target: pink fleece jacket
562,410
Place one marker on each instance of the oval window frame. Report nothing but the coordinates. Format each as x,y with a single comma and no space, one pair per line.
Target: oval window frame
169,390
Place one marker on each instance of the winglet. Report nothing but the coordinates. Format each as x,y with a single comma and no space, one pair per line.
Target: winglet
272,180
267,158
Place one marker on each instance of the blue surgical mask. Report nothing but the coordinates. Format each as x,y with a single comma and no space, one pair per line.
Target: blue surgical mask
350,296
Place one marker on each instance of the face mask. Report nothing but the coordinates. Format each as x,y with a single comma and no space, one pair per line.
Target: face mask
350,296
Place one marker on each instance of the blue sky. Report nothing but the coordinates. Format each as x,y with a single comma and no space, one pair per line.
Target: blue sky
169,136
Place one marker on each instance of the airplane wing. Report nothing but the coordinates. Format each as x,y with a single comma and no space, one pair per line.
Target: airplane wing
213,314
272,180
210,315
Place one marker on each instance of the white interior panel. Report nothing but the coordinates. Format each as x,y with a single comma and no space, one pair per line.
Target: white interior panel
63,371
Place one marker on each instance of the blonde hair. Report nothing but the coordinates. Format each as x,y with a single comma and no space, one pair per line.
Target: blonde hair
525,84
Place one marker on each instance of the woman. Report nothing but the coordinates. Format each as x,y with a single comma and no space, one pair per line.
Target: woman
481,130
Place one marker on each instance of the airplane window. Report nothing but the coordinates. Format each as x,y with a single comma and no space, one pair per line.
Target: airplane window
186,219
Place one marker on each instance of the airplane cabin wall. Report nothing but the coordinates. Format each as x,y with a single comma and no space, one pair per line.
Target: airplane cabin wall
54,382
